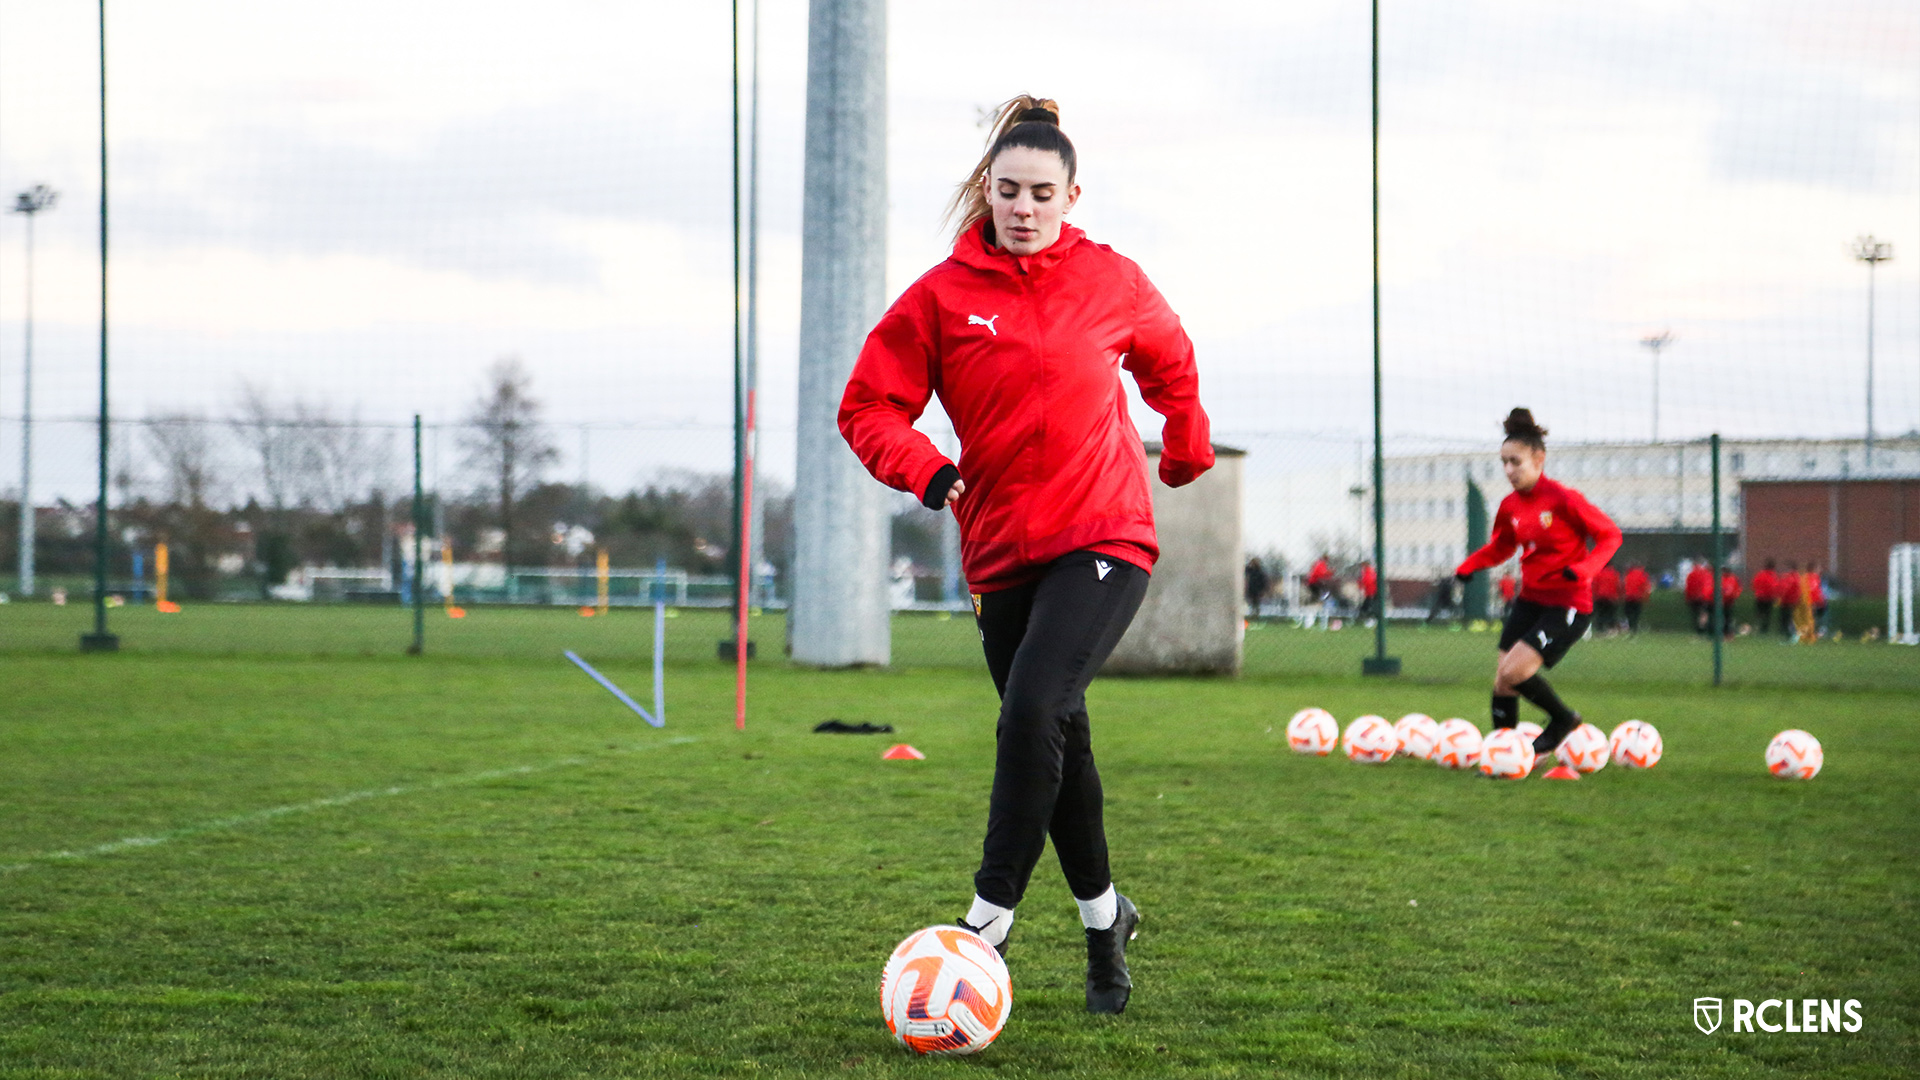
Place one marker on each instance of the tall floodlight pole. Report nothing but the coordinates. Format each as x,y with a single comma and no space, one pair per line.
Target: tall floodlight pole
100,640
839,612
1379,663
1873,253
30,202
1654,343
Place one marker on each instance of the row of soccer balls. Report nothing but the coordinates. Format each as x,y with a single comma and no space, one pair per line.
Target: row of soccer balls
1507,753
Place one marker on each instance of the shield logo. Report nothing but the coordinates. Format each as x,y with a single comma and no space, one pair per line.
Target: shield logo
1706,1015
976,605
1546,519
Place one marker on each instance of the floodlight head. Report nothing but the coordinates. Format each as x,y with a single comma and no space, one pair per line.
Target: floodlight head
35,199
1658,341
1870,251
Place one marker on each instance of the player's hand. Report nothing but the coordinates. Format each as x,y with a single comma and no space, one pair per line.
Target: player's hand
1462,578
1567,572
958,489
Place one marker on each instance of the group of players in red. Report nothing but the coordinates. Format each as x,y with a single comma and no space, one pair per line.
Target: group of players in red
1773,589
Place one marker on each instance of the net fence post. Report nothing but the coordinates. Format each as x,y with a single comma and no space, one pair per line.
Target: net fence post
419,568
1719,559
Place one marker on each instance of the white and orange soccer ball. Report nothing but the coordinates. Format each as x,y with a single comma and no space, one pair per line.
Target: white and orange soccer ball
1795,755
1506,754
1458,745
1528,728
1635,745
1313,731
1415,735
945,991
1584,750
1369,740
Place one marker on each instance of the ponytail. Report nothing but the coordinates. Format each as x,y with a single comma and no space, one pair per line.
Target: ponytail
1521,428
1021,121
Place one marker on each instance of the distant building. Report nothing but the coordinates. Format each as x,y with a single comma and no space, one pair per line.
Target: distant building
1660,494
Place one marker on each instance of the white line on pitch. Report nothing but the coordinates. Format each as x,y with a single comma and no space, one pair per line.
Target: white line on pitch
257,816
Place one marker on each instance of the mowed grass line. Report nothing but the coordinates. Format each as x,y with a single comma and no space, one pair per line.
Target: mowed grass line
721,908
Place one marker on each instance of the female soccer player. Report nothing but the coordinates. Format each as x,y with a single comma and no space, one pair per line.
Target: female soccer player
1022,333
1563,541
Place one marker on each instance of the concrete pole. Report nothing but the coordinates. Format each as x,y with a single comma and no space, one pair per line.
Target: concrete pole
839,616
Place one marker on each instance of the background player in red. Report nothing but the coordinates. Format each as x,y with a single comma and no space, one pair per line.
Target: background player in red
1787,596
1699,593
1507,588
1766,589
1319,578
1563,541
1606,599
1023,333
1638,589
1369,588
1729,592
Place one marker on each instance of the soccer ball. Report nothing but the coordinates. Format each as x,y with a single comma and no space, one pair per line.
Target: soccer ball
1369,740
945,991
1529,729
1795,755
1635,745
1505,754
1313,731
1417,734
1458,745
1584,750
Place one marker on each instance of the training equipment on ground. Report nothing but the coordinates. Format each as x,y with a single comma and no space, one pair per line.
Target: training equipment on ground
1416,734
1795,755
1506,754
1635,745
1458,745
902,752
1313,731
1529,729
945,991
1369,740
619,693
1561,772
1584,750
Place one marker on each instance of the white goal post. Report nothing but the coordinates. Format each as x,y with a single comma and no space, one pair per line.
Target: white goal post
1903,567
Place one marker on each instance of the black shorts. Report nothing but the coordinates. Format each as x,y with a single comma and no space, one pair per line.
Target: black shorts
1550,630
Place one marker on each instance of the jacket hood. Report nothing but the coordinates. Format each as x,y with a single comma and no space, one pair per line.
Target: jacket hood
970,248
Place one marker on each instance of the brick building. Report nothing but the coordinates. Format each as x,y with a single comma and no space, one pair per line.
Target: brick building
1846,526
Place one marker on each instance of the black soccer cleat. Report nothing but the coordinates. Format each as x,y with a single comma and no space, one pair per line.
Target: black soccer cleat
1000,948
1108,984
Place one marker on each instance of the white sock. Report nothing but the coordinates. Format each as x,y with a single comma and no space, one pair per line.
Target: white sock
1099,912
993,920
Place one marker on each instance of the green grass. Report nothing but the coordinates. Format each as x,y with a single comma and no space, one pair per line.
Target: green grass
490,869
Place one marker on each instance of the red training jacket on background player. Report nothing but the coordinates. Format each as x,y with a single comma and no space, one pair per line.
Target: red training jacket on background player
1506,587
1025,354
1320,574
1551,524
1789,588
1766,586
1639,585
1729,587
1815,589
1700,584
1369,581
1606,584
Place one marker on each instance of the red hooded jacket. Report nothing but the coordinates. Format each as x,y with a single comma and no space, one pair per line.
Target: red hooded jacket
1551,524
1699,587
1025,354
1606,584
1639,587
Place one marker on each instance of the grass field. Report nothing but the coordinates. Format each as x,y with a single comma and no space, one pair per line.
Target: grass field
244,848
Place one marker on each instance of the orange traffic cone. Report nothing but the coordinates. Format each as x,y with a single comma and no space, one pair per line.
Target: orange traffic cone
902,752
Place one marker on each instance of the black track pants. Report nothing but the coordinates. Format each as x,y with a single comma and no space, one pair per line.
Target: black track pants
1045,641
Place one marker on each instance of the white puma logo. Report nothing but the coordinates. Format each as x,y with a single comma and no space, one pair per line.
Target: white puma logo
1101,567
1543,639
975,320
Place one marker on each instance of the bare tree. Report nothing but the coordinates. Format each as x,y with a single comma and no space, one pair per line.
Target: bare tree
273,441
180,446
504,443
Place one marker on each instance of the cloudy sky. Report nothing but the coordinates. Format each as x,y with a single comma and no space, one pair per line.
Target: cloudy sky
367,203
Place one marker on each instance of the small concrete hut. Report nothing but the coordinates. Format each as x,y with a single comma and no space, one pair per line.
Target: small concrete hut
1190,622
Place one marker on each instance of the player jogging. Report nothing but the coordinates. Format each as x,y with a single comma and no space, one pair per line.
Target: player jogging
1022,333
1563,541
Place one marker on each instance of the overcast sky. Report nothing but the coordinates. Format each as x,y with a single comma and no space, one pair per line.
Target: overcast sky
369,202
